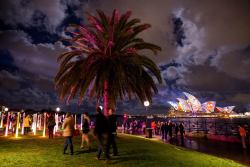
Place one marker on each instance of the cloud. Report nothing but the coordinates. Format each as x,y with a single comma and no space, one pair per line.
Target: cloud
242,98
33,13
39,59
9,81
235,63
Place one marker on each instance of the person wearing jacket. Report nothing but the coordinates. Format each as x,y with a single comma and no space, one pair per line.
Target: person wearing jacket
85,130
27,122
68,131
112,132
51,124
101,132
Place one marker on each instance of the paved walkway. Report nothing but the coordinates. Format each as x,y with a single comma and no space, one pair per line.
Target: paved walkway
227,150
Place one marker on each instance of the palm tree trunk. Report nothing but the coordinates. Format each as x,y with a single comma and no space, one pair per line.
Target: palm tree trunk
105,98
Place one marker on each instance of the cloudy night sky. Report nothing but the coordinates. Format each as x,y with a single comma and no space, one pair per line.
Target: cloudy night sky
205,49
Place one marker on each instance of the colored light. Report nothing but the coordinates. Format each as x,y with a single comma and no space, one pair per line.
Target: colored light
7,125
17,123
23,124
44,125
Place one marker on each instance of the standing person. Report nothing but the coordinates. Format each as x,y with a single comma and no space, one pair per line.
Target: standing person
153,126
112,132
51,122
162,130
176,130
170,130
101,132
166,128
85,130
243,134
27,123
68,131
182,130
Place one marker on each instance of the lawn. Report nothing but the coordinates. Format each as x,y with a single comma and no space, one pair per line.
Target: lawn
134,151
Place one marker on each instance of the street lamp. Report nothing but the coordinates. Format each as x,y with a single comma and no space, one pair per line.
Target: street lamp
146,104
148,130
101,107
58,109
6,109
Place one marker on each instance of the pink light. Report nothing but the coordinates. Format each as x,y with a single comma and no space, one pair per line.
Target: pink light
7,125
23,124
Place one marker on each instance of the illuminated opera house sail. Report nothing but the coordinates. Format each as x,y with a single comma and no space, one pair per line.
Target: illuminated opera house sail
192,104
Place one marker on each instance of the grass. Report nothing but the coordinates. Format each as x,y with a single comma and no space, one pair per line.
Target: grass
138,152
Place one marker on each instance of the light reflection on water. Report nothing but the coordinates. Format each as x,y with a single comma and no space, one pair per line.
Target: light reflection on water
228,150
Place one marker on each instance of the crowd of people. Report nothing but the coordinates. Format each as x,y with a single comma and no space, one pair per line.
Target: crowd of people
164,129
104,131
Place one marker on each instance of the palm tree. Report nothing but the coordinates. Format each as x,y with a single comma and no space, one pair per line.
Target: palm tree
106,60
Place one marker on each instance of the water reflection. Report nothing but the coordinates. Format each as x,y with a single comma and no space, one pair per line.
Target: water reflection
232,151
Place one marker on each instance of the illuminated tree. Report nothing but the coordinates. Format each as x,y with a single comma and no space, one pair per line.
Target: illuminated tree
106,60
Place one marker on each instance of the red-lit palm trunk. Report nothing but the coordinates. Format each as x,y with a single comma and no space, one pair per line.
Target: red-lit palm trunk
105,98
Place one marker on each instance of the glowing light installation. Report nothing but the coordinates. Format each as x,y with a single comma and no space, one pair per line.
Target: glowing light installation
44,125
23,124
40,121
183,105
17,124
1,125
193,102
208,106
7,124
75,121
56,127
81,120
173,104
34,124
228,109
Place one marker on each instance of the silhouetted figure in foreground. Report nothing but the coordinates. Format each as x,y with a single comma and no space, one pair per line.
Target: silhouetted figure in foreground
112,132
182,132
51,124
101,132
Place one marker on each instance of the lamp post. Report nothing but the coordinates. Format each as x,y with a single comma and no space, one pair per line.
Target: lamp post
146,104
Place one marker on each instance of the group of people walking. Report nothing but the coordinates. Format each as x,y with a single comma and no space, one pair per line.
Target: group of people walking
104,131
167,130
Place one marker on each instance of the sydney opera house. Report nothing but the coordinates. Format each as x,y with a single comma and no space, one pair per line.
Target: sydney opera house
190,104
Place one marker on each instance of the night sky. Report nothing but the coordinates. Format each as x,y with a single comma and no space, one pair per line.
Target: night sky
206,49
